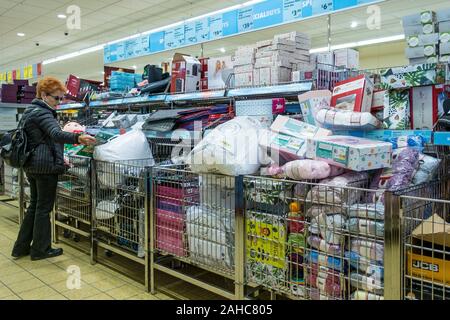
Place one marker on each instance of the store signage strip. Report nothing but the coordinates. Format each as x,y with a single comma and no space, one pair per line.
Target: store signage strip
234,22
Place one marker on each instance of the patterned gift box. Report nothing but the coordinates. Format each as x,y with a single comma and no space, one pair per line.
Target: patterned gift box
397,110
412,76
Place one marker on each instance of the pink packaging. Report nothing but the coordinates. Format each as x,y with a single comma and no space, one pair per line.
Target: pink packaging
278,106
170,228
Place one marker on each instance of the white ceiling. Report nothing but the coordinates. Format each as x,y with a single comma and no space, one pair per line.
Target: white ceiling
107,20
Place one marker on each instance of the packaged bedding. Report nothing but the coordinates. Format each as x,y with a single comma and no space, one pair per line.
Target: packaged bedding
330,227
347,120
317,210
325,260
366,227
366,283
373,211
328,281
332,191
364,265
364,295
229,149
320,244
368,249
428,167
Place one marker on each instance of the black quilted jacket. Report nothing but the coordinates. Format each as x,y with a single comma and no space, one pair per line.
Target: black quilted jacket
44,133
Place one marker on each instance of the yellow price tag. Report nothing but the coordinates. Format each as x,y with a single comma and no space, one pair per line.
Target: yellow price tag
18,74
10,79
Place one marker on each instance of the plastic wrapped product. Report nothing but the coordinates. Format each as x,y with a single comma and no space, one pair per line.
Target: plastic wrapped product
296,266
317,210
428,167
412,141
106,210
318,243
373,211
368,249
363,295
363,282
231,149
328,281
334,193
345,120
307,170
325,260
403,168
364,265
366,227
298,287
330,227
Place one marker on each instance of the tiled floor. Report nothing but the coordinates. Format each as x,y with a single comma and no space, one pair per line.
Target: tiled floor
24,279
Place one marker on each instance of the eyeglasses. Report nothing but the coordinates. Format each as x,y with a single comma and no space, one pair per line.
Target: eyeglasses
57,98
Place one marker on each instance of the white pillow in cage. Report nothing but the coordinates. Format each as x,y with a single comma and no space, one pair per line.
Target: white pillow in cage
106,210
131,146
231,149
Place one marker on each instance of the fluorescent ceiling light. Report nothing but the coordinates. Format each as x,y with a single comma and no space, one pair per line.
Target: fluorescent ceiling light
354,24
62,16
73,54
223,50
134,67
360,43
20,34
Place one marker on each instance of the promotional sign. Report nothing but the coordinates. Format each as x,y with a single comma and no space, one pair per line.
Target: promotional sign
23,73
258,16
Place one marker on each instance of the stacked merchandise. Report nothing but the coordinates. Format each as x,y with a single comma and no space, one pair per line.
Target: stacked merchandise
18,92
244,64
276,59
204,74
428,37
262,110
122,81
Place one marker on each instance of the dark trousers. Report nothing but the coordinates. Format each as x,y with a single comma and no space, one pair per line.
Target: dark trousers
35,231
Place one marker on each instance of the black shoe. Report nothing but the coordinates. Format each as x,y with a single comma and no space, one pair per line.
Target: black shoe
17,254
49,254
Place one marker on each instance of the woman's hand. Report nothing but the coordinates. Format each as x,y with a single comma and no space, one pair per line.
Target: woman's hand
86,140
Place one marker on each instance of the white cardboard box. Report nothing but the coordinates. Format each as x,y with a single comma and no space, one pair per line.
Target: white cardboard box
424,107
272,75
355,94
273,61
326,58
347,58
244,79
244,68
274,47
443,15
298,129
413,30
444,37
428,39
444,48
444,26
293,35
313,101
411,20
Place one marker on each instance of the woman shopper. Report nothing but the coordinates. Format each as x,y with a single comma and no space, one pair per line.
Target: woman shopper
42,169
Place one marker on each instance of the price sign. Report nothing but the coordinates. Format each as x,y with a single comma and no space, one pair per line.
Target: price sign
245,19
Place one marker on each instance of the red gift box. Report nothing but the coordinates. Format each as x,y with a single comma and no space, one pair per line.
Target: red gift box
353,94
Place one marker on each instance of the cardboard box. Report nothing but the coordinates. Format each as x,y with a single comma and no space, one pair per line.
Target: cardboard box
347,58
244,68
282,147
444,59
354,94
444,37
277,54
272,75
326,58
411,20
410,76
275,47
273,61
378,100
414,61
416,52
186,73
444,48
443,15
299,129
245,55
217,67
397,110
311,102
352,153
423,262
293,36
243,79
429,39
275,41
413,30
444,26
424,107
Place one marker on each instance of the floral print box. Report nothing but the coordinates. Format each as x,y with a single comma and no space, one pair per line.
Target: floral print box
412,76
352,153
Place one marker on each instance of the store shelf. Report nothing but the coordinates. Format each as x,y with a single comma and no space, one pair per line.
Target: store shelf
13,105
291,89
195,96
71,106
160,98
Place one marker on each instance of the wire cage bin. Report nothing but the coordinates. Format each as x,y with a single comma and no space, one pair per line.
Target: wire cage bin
73,206
193,221
120,206
307,240
11,182
425,223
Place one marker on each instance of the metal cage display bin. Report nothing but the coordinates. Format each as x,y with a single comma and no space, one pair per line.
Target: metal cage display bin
193,221
11,182
425,223
119,209
73,206
326,76
307,240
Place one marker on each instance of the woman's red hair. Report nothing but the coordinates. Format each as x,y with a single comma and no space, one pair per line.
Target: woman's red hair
49,85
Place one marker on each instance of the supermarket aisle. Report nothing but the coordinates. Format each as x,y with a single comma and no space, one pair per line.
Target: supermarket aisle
46,279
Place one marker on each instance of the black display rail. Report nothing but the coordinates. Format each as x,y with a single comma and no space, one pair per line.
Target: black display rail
286,90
